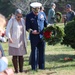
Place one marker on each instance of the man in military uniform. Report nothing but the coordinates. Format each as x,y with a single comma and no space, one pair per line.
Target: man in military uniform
35,23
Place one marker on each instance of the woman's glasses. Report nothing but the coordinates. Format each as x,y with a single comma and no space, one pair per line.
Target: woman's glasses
19,16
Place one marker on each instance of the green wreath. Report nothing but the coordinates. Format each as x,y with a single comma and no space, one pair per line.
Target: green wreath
58,17
52,35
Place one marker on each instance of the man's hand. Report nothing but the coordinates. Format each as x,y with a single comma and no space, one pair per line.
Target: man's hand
35,32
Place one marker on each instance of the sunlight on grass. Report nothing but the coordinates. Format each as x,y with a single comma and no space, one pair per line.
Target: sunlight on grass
54,60
54,57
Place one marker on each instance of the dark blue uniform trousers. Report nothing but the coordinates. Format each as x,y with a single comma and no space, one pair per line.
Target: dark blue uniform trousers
38,55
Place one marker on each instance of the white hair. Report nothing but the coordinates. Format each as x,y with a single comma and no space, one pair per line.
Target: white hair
18,11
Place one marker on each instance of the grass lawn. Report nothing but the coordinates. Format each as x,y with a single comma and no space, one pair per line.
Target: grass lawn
54,60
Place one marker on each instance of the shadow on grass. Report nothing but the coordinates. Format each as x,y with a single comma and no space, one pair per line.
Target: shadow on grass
58,58
26,58
62,66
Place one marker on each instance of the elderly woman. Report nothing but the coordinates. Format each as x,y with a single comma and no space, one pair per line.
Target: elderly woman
16,34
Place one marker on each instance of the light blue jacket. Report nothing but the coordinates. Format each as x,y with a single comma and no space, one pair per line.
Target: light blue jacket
3,65
41,22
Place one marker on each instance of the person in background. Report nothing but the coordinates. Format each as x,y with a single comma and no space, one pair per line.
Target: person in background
51,13
2,51
4,70
69,14
3,62
42,12
2,29
16,33
35,23
3,38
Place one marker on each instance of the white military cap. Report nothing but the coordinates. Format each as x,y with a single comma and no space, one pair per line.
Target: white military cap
35,4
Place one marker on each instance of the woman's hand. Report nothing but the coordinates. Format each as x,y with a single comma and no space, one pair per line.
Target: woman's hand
10,40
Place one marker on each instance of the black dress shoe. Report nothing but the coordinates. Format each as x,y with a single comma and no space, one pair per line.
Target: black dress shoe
21,70
42,68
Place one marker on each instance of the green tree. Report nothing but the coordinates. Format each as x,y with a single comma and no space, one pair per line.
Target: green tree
6,8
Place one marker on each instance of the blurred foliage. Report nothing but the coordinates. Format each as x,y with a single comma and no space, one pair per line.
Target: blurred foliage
69,38
6,8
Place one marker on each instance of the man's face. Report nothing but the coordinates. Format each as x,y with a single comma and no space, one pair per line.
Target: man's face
68,9
36,10
54,6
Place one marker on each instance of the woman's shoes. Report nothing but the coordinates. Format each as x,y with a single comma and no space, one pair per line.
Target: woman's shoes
16,72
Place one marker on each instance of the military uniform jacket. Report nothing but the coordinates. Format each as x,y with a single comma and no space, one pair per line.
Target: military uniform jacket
35,22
